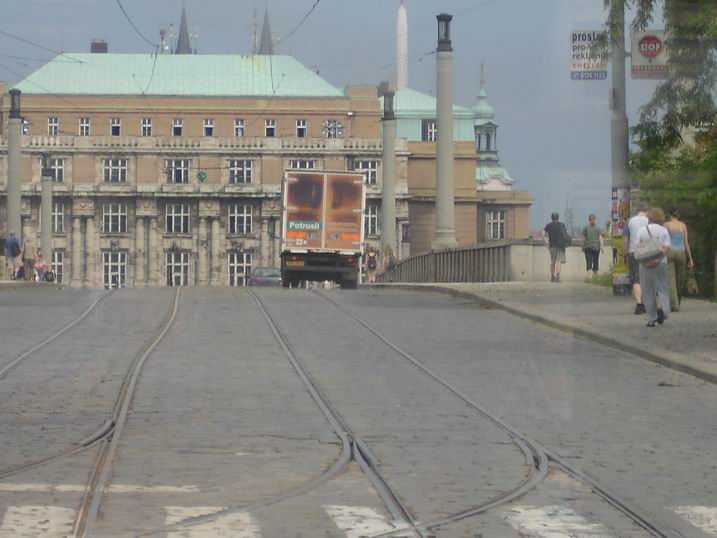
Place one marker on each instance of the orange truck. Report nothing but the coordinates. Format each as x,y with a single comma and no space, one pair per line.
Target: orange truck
322,227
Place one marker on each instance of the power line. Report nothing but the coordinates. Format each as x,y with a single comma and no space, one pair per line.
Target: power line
302,21
134,25
39,46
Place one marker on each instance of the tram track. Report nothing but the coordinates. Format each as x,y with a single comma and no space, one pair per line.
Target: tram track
543,454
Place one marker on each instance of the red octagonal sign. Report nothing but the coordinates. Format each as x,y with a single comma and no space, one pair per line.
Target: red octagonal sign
650,46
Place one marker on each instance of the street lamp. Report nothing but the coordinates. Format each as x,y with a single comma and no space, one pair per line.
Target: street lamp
15,103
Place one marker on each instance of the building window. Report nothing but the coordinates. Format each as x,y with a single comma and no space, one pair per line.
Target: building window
57,170
428,130
115,170
238,127
53,126
208,127
114,218
369,170
333,129
302,164
115,126
177,268
478,137
114,268
301,129
239,264
487,142
270,128
58,217
177,170
239,221
495,224
146,126
370,219
177,124
240,171
178,218
405,232
84,126
58,259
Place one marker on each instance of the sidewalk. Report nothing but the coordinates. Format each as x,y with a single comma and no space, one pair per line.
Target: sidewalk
17,284
686,342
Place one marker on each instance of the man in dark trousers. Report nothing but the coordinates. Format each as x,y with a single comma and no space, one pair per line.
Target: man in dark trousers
13,248
556,238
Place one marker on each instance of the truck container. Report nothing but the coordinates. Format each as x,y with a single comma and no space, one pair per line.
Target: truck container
322,227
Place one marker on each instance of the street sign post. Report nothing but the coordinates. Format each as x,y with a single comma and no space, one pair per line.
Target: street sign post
649,55
584,65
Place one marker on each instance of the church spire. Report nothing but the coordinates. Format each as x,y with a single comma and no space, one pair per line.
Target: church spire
183,46
266,46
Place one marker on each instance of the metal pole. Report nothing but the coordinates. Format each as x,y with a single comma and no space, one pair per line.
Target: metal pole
445,234
388,176
46,210
14,180
619,137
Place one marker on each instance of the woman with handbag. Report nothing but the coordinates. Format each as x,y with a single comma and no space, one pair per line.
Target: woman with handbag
651,247
679,258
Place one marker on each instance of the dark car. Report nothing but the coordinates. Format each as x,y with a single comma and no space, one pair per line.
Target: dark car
265,276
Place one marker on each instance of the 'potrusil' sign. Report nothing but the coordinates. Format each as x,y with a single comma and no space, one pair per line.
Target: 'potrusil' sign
583,64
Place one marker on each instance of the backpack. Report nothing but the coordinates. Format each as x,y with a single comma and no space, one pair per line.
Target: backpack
564,239
15,249
371,262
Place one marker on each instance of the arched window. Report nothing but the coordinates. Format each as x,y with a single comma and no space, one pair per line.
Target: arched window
487,142
478,141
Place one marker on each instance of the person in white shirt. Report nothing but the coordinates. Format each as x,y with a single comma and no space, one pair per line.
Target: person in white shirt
628,239
653,274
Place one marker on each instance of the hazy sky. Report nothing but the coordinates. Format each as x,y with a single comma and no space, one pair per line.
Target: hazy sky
554,132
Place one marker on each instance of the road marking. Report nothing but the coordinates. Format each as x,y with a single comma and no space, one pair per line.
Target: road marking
358,521
702,517
234,524
554,522
76,488
49,521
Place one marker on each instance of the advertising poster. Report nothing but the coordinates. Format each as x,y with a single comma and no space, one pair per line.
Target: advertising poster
304,209
344,214
583,64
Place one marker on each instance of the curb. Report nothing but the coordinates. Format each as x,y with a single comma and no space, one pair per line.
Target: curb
16,285
668,360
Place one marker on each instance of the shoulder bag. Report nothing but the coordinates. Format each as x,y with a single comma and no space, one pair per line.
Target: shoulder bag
649,252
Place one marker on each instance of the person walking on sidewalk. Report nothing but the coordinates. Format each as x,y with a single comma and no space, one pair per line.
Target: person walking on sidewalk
629,235
29,255
679,258
653,273
13,249
371,265
557,239
592,247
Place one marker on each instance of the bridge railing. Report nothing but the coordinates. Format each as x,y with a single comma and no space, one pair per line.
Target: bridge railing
490,262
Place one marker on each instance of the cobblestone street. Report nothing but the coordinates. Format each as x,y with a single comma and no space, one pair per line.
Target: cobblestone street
149,413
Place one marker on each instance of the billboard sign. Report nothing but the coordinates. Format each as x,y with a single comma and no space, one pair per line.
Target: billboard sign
583,64
649,55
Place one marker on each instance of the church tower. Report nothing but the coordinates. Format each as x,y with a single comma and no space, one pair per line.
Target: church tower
183,45
266,45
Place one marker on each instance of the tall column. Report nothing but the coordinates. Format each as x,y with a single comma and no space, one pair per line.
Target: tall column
216,279
46,212
264,242
14,180
76,280
619,137
388,175
153,277
445,235
90,270
202,253
139,254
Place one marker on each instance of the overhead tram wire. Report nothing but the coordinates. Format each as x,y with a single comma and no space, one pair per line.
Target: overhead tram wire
301,22
32,43
131,22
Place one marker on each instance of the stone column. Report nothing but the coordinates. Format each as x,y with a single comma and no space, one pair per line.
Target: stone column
388,176
46,213
76,277
153,254
264,242
202,253
215,279
14,180
90,269
445,234
139,254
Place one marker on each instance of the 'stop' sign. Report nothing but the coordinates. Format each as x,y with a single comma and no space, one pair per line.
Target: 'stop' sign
583,64
649,55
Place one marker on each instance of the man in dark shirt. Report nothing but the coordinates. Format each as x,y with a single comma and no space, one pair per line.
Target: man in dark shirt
555,235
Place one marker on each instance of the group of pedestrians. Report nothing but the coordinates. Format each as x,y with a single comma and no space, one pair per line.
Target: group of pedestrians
374,265
25,260
659,256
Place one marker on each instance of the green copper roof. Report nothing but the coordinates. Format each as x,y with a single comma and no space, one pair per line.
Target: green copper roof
177,75
411,102
484,174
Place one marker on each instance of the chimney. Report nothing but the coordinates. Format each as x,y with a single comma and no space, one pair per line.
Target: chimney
98,46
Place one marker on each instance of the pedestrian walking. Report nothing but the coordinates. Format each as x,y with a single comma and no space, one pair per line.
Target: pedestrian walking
679,258
29,255
557,239
40,267
593,244
371,265
653,272
13,249
629,235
